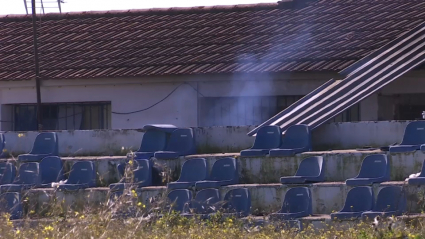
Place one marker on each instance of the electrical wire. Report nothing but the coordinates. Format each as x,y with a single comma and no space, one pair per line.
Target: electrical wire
150,107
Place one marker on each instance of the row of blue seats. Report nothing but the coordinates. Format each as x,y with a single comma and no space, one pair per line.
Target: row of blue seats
45,145
413,138
374,169
194,173
360,202
236,202
297,139
270,141
169,142
36,175
160,141
49,170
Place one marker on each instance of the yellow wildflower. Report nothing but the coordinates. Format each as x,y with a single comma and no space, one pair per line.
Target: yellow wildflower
48,228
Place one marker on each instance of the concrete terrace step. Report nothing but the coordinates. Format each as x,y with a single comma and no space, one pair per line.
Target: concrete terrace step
340,165
265,198
316,222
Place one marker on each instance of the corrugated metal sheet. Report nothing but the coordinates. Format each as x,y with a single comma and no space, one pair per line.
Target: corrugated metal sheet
360,80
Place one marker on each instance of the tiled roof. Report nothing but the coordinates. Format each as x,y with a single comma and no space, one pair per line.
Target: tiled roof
324,35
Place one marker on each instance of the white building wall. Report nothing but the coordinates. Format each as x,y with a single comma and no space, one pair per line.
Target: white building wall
127,95
181,107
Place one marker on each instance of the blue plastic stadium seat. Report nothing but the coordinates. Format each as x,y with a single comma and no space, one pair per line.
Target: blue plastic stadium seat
179,198
143,173
3,154
391,201
121,169
311,170
153,140
420,180
423,148
7,173
181,143
297,204
28,177
237,203
142,176
297,139
193,170
51,169
224,172
268,137
204,203
414,137
81,176
45,144
10,202
358,201
375,169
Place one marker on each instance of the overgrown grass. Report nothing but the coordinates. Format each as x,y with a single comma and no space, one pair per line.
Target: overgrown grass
175,226
126,217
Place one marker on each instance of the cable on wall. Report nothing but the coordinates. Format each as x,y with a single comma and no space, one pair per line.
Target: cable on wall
150,107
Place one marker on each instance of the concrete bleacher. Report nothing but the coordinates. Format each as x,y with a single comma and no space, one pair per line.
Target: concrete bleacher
261,175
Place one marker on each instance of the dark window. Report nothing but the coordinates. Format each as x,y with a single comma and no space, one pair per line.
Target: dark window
234,111
410,112
67,116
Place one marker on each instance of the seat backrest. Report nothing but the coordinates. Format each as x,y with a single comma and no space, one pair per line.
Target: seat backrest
45,143
7,173
82,172
153,140
51,169
268,137
297,200
8,201
422,173
238,200
390,198
29,173
414,134
359,199
224,169
311,167
374,166
2,143
181,140
143,172
297,136
194,170
206,198
178,198
121,169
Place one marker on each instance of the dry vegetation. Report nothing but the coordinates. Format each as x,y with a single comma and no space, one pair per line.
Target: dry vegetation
112,221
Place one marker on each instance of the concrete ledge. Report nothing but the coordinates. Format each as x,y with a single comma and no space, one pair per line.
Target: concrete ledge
220,139
265,198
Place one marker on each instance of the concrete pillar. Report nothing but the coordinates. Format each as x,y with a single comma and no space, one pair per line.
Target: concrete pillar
6,118
369,108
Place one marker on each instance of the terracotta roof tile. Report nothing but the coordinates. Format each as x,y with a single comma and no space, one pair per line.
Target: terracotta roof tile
322,35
